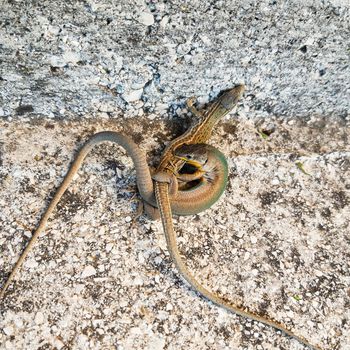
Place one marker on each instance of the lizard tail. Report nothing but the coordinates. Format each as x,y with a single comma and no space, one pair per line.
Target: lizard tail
144,182
161,192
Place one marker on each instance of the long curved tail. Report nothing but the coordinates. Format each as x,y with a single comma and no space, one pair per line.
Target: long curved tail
161,192
144,182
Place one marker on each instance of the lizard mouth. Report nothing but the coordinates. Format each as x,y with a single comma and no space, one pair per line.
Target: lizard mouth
191,162
189,168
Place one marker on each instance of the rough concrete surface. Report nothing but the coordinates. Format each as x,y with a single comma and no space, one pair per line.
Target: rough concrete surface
277,243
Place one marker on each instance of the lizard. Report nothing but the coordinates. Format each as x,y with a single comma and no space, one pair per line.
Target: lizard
200,197
186,202
168,169
178,151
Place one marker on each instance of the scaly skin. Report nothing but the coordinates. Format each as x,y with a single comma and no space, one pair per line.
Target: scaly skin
213,181
169,164
187,202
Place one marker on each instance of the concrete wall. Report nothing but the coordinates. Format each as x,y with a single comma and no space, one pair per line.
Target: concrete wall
77,59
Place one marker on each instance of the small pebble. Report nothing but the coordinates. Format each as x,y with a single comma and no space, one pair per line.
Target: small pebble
8,330
123,303
39,318
109,247
146,18
88,271
310,323
133,95
138,281
31,263
79,288
275,182
240,234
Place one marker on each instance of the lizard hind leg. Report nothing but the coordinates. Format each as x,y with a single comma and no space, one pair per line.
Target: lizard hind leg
151,211
142,206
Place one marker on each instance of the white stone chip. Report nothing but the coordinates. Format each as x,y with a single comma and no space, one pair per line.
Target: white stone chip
88,271
133,95
138,281
39,318
146,18
32,263
8,330
123,303
240,234
71,57
253,239
310,324
275,182
79,288
109,247
156,344
164,21
58,343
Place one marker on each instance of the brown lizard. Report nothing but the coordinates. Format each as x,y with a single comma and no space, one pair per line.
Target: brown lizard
188,202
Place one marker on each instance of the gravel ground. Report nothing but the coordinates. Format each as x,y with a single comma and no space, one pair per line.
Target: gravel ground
277,242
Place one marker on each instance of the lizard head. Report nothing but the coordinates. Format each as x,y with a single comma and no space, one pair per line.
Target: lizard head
195,155
230,97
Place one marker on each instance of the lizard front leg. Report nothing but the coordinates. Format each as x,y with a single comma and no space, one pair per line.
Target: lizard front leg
190,105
